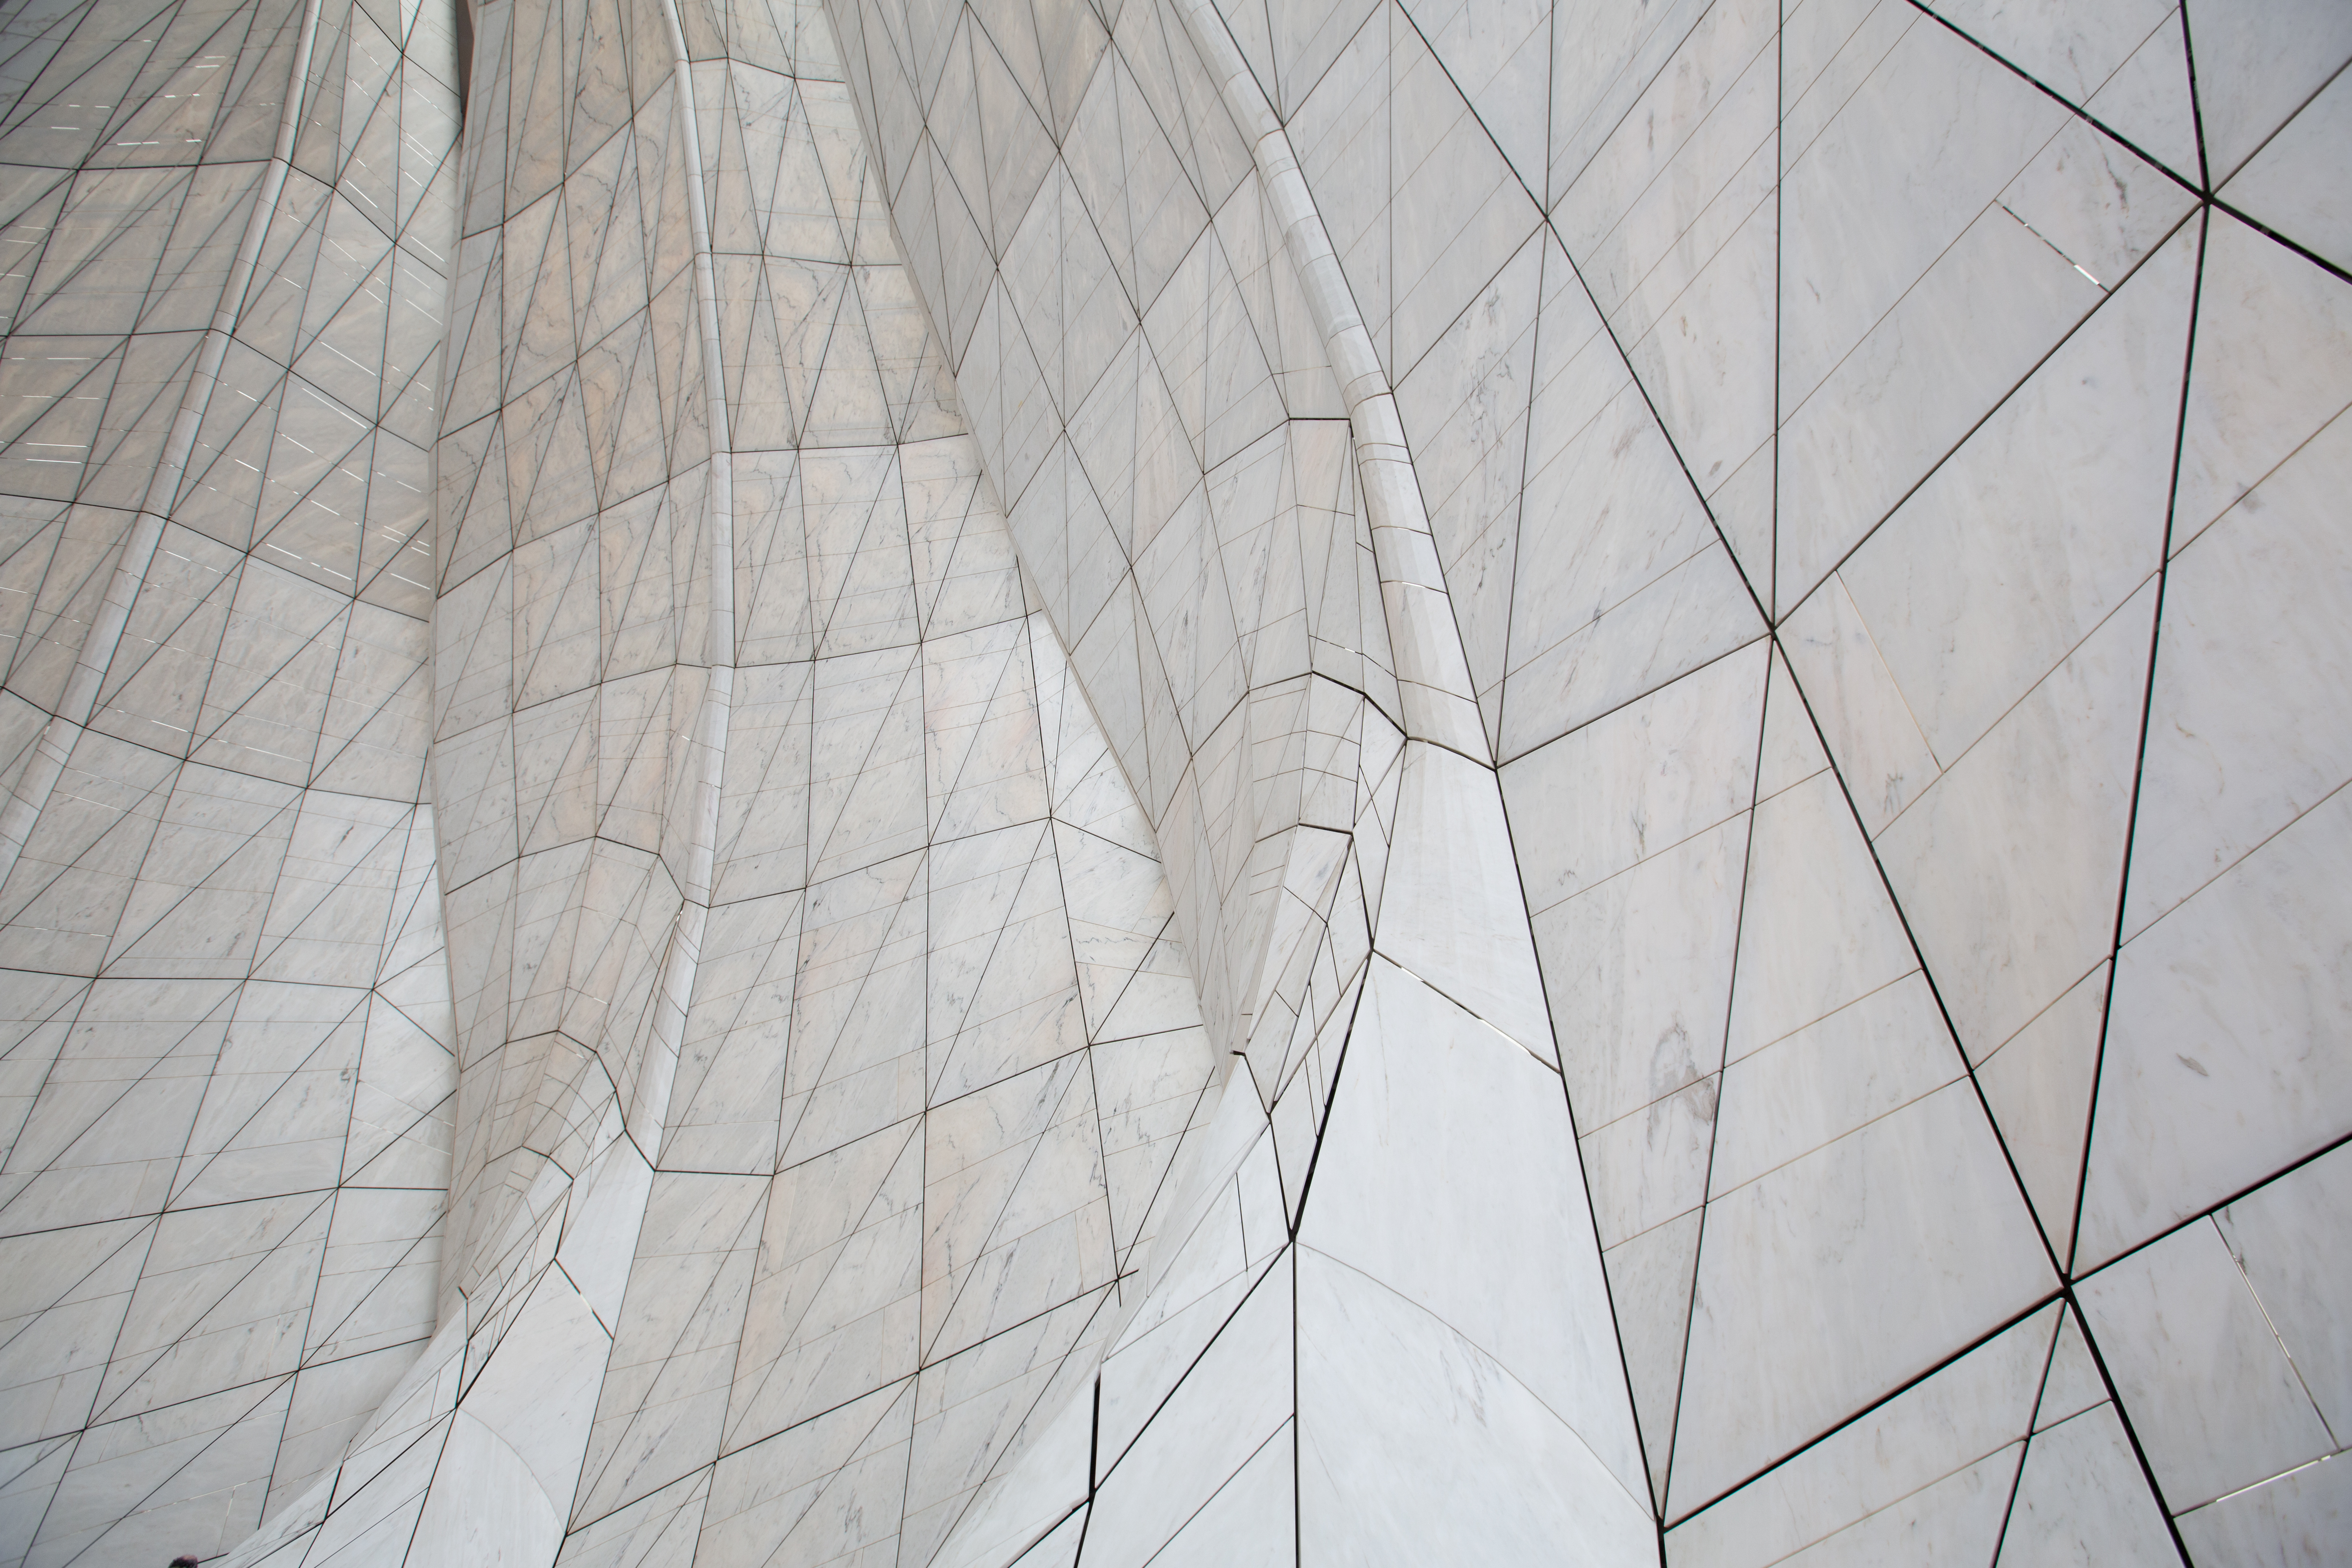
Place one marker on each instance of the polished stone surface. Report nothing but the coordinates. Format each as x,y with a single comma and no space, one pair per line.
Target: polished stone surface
1086,782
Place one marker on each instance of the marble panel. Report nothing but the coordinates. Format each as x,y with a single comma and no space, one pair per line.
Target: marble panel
2214,1053
1375,1488
2081,1498
2298,1518
1810,874
2216,1402
2037,1087
1639,973
1421,1114
1897,363
1926,1472
2283,1236
2044,520
2056,773
2253,599
2257,66
2286,187
1231,1401
2269,373
1862,1265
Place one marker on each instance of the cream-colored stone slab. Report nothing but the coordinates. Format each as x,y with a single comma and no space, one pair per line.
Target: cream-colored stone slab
1374,1486
2082,1498
2216,1401
1431,1102
2251,606
2292,187
1887,1465
2257,66
2214,1073
1862,1265
2303,1514
2284,1237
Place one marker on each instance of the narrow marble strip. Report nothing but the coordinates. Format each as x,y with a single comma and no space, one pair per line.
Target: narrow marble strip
1439,704
650,1102
79,700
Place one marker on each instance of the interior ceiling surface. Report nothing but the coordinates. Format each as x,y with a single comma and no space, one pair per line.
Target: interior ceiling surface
1212,782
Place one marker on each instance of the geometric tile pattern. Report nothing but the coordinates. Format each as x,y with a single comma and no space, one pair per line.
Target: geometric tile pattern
1333,781
823,1040
1871,459
228,1054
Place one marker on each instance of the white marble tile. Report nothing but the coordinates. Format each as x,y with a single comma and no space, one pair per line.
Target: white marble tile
1451,911
1859,1266
1638,970
2073,54
1882,755
656,1531
2037,1087
1958,1518
2289,186
2212,1395
833,1308
1374,1486
1473,211
2073,1384
196,1473
977,1410
1810,875
2025,835
2215,1070
488,1503
1864,1061
1251,1522
663,1403
1912,1459
1651,1165
822,1491
2256,65
1154,1352
2284,1238
1673,225
1464,408
1023,1505
2298,1517
62,1338
2047,518
2148,100
2269,369
1697,612
1602,60
1613,515
32,1473
1899,361
1445,1146
1882,121
1637,782
1791,750
1232,1399
2081,1499
2252,604
1650,1290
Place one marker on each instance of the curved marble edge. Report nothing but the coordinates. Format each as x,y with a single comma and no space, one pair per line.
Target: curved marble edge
1439,704
676,992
